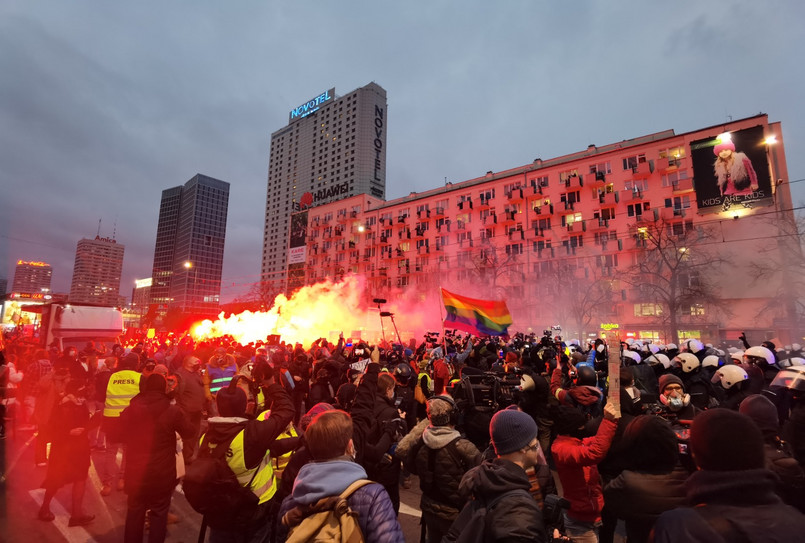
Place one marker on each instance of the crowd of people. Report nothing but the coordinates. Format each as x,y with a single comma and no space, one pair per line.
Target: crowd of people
514,439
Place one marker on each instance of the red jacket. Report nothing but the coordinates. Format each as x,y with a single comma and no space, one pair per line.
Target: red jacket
576,463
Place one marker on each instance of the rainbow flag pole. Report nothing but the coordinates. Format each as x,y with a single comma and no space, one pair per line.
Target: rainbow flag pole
479,317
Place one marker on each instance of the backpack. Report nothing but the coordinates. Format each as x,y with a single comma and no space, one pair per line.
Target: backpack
213,490
470,525
327,520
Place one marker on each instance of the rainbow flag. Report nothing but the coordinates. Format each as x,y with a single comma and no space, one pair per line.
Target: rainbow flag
479,317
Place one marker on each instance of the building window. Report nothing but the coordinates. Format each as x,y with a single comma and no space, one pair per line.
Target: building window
631,162
672,179
647,310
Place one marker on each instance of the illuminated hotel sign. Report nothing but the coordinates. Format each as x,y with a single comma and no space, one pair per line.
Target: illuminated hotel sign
37,264
311,106
142,283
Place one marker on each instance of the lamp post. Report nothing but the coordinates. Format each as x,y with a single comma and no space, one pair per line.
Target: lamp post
189,294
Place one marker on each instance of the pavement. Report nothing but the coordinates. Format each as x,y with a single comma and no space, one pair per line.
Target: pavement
21,496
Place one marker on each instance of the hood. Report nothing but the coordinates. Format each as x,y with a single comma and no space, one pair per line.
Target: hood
436,437
493,478
152,401
585,395
319,480
222,428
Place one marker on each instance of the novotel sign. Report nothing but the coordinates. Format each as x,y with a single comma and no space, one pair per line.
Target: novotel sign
311,106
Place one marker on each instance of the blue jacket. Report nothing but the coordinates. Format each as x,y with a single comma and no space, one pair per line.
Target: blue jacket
319,480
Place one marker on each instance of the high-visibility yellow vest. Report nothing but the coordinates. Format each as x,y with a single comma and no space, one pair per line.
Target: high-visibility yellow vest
281,461
264,484
123,386
428,380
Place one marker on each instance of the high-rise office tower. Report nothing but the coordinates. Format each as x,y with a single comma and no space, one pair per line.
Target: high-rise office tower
96,273
32,277
333,147
189,251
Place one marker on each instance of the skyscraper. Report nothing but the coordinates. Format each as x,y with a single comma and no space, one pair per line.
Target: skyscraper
31,277
96,273
333,147
189,250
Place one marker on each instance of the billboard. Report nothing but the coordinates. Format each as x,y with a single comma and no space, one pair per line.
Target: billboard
297,250
731,170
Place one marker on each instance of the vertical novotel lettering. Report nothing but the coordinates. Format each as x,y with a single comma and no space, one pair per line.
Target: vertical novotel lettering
378,143
311,106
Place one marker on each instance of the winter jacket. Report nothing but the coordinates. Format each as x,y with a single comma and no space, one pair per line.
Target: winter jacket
640,498
318,480
439,470
190,394
577,396
576,463
151,423
516,517
735,502
791,484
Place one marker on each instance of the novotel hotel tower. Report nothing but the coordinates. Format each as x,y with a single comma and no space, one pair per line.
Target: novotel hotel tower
333,147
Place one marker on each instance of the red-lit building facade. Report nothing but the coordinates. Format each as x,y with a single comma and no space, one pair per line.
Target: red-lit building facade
647,235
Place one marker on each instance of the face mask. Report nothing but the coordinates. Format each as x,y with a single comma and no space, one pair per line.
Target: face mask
675,403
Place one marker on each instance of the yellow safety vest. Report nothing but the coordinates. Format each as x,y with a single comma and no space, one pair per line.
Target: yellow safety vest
264,484
429,380
290,431
123,386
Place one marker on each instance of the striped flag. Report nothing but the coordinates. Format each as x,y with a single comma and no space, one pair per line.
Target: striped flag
479,317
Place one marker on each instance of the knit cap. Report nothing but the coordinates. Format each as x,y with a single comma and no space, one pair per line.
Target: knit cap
511,431
231,401
762,411
667,379
725,440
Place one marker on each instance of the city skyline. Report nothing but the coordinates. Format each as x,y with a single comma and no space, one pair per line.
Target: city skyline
97,121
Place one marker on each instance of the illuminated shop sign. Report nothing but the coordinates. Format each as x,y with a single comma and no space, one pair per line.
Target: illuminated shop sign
609,326
311,106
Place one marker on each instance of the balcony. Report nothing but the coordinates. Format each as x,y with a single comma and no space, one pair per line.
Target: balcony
465,204
573,181
419,233
460,225
465,244
597,179
405,233
515,195
516,234
439,212
608,198
338,232
599,224
484,203
384,240
683,185
491,219
423,250
399,253
341,217
402,218
671,213
577,226
639,242
569,206
536,233
423,213
641,171
508,217
635,195
667,164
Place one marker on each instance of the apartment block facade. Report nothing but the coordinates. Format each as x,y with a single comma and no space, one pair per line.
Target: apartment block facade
96,273
652,236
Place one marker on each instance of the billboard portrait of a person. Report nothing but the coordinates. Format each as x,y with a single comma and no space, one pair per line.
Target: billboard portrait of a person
733,170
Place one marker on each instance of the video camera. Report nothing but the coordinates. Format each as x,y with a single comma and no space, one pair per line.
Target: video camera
487,392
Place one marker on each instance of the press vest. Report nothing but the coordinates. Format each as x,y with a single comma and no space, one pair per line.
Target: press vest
264,484
123,386
281,461
428,380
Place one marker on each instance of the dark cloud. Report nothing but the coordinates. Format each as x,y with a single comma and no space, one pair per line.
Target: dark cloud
103,105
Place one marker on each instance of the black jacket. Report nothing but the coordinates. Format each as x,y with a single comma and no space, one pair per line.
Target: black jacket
737,505
515,518
151,423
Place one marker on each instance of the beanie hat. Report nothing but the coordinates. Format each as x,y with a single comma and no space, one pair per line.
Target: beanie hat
667,379
725,440
567,420
231,401
762,411
511,431
130,361
723,145
155,383
308,417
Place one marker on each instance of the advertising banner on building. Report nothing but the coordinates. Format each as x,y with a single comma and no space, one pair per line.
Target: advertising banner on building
731,171
297,250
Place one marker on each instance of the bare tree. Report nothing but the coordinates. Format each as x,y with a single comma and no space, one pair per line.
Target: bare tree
673,268
780,266
583,294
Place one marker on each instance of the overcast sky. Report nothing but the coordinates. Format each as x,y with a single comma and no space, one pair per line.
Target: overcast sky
105,104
